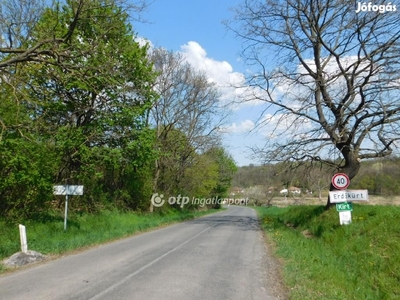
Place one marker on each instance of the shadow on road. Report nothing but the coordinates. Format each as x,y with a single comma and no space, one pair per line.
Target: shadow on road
243,222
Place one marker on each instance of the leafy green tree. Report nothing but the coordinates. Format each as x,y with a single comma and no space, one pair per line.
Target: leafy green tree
26,164
175,157
201,177
18,19
26,170
81,105
367,181
101,104
226,169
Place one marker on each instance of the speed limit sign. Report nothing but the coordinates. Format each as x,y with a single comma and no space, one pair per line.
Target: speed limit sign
340,181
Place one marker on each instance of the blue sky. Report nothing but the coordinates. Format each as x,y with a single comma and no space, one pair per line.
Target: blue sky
195,28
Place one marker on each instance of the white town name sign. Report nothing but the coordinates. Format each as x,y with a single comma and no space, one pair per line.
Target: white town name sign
348,195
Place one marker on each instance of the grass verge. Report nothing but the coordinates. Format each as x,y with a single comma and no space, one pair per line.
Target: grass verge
47,236
324,260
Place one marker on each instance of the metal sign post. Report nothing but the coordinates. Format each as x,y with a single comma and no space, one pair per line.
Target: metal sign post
67,190
66,212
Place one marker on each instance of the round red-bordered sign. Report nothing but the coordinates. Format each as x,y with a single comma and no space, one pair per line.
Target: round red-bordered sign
340,181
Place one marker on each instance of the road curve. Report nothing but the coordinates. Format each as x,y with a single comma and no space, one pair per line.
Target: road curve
220,256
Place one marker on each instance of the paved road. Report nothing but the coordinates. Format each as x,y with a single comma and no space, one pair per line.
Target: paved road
221,256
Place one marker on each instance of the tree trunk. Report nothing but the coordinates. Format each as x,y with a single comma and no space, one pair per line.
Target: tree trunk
350,168
155,181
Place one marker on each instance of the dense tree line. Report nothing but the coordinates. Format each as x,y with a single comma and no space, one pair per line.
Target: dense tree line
379,177
84,103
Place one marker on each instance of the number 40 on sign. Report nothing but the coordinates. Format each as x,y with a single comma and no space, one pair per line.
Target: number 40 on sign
340,181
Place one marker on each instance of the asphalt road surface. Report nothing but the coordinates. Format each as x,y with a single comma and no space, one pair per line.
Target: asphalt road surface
220,256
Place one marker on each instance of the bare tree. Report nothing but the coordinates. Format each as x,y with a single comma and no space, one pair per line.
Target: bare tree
258,195
318,179
189,104
329,78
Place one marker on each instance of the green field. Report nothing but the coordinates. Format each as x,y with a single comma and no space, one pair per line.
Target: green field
325,260
47,236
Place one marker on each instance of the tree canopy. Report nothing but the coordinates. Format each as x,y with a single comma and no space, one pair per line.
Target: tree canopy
83,103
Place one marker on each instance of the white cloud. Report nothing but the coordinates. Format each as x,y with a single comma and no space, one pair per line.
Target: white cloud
231,84
243,127
284,124
219,72
143,41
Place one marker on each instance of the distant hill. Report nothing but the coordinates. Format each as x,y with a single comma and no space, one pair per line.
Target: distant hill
379,176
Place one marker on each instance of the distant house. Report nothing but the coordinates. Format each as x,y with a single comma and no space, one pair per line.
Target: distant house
291,189
284,191
236,191
294,190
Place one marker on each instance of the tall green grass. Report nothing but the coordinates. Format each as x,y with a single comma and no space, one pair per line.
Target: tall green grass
47,236
325,260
